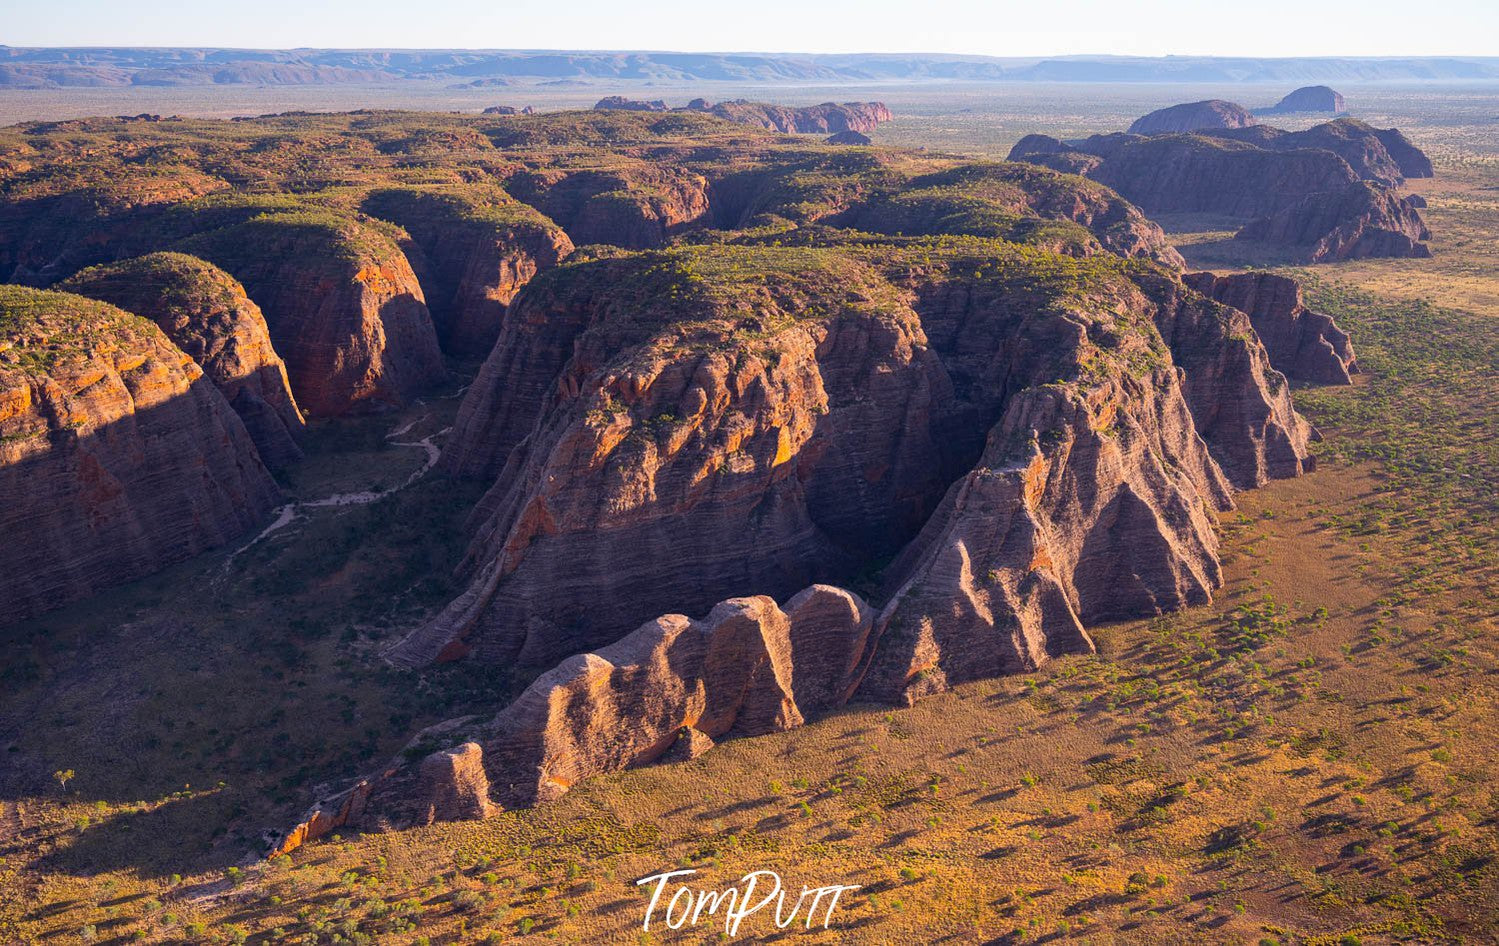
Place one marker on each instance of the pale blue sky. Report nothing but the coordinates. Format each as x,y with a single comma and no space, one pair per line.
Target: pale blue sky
1007,28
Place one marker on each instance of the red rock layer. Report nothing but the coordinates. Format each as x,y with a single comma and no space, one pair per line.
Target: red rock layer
117,457
1302,344
479,249
343,305
206,313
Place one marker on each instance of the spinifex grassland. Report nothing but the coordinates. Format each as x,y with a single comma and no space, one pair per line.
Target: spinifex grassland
1309,759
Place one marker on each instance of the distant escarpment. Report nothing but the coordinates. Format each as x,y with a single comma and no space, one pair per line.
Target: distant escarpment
1326,193
1302,344
1192,116
829,117
117,457
207,314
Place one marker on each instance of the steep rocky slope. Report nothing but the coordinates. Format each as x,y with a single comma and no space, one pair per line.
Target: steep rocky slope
1369,151
117,457
1087,417
1361,220
344,307
206,313
832,421
1192,116
479,247
1302,344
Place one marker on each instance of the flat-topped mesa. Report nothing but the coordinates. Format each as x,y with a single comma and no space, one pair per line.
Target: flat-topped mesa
206,313
343,305
479,246
1192,116
1303,345
1362,220
117,457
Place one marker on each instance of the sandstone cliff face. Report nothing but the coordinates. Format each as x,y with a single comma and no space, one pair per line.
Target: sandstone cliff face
480,248
342,303
1302,344
117,457
1362,220
834,447
666,431
1192,116
206,313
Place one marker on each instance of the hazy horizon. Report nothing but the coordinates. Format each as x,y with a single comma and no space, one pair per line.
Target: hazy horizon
1280,29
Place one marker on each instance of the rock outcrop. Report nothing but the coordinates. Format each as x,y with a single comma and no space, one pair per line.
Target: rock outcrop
855,138
621,103
829,117
1302,344
1192,116
117,456
1311,98
1195,173
614,432
638,205
206,313
479,246
1362,220
344,308
1326,193
1367,150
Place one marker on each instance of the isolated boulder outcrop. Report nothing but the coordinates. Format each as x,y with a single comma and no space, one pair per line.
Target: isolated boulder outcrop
1192,116
1311,98
479,246
1362,220
117,456
206,313
343,305
1302,344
